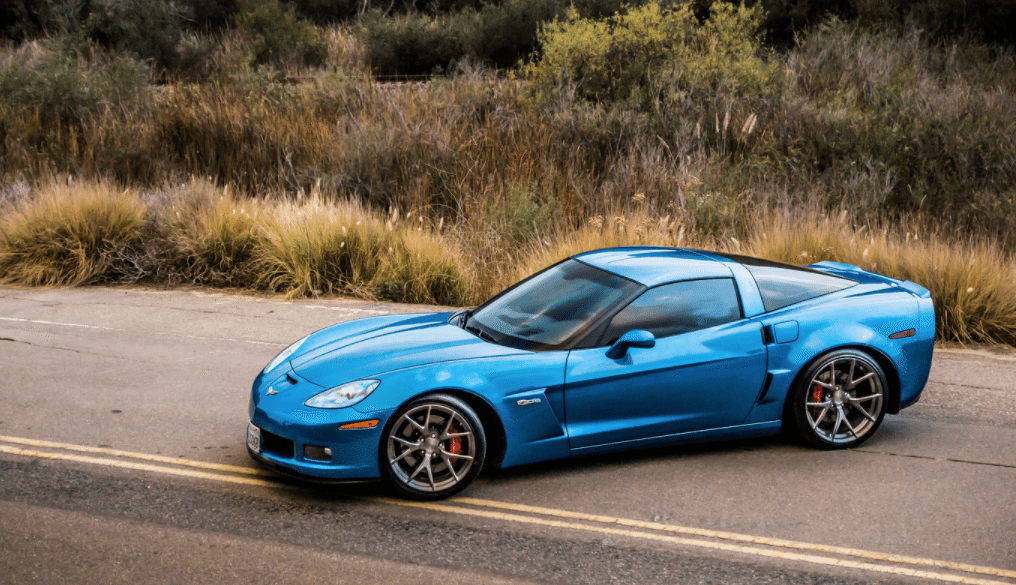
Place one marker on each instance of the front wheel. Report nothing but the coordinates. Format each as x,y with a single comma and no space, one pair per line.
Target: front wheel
432,448
840,401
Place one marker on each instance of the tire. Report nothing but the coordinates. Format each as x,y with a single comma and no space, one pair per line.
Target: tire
432,447
840,400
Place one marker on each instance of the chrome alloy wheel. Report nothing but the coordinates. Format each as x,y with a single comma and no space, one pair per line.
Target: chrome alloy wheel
434,448
844,401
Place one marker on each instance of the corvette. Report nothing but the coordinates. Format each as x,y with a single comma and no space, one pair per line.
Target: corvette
608,350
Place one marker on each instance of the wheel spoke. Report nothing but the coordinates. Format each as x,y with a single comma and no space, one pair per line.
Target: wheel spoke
426,421
451,467
453,435
418,426
832,372
448,425
868,397
446,455
823,384
821,416
861,379
849,426
405,442
430,476
419,468
403,455
827,403
850,375
836,426
866,414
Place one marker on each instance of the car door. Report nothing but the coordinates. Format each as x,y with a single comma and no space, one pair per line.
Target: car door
704,372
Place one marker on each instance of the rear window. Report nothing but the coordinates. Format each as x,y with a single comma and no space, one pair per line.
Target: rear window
782,285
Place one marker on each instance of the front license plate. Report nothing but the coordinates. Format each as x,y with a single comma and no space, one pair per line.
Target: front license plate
253,438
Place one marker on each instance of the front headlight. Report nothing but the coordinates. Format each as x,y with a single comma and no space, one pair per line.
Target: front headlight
344,395
284,355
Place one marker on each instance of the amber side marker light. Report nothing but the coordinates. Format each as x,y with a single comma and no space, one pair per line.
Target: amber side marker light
363,424
902,334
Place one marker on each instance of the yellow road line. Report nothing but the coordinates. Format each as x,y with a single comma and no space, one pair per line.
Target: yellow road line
778,554
738,537
654,526
137,466
143,456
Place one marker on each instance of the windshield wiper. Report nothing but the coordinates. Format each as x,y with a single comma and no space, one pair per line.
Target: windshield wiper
479,333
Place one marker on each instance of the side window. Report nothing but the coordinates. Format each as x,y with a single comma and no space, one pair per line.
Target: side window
677,308
782,285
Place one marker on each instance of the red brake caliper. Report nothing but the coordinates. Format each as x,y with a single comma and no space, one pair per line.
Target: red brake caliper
816,394
454,443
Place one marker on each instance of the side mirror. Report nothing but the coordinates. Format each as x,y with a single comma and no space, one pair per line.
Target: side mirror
634,338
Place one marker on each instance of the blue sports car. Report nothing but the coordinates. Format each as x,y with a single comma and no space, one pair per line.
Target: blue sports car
608,350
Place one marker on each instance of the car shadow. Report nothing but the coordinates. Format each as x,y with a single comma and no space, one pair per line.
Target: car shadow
645,455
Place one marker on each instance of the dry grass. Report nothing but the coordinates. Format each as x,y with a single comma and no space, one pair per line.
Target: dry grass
68,234
60,234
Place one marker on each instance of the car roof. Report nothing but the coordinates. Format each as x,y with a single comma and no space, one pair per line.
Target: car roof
651,265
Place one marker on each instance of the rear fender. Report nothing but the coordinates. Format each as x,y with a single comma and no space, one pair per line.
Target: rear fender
863,319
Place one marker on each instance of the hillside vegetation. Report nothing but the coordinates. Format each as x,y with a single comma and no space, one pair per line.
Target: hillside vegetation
257,151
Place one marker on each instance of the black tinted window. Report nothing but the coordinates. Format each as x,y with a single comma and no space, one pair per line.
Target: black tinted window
677,308
782,284
553,307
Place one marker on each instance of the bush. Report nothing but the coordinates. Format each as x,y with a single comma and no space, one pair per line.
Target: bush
650,50
494,34
60,90
148,29
413,44
280,36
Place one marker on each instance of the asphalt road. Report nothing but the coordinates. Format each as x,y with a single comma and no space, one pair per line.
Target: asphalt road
122,460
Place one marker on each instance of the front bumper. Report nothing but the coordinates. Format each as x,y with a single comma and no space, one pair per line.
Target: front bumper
295,473
294,437
353,453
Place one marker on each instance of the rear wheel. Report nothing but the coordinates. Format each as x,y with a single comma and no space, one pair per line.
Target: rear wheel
840,401
432,448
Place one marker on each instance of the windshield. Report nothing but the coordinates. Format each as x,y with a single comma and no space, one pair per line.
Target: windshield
552,308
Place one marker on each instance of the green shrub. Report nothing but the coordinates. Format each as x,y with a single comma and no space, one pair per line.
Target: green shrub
54,84
208,15
149,29
649,50
414,44
496,34
280,36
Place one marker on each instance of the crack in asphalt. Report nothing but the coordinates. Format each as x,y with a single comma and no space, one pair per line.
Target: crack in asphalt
78,351
946,459
998,390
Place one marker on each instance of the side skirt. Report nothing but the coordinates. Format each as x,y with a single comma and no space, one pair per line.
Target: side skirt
763,429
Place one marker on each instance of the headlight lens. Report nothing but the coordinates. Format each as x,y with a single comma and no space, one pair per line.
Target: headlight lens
344,395
284,355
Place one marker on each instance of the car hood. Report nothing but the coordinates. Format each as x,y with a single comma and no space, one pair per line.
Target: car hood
342,355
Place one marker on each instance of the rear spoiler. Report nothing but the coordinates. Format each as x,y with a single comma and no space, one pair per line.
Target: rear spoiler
853,272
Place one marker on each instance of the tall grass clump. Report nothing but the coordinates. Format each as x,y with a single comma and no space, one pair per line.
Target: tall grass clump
311,246
211,234
68,235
